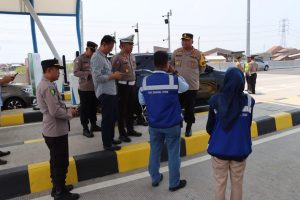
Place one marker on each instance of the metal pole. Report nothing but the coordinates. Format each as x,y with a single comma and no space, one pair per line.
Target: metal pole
199,43
248,29
138,36
169,37
81,26
115,35
43,31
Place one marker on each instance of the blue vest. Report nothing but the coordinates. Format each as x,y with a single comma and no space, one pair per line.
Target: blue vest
160,91
235,143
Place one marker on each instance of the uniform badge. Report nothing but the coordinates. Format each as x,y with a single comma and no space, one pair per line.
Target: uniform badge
52,91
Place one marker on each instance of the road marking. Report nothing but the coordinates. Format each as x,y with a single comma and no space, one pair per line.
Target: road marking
21,125
134,177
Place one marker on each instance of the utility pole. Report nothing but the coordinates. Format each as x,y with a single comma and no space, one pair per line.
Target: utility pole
136,29
167,21
284,29
115,36
248,29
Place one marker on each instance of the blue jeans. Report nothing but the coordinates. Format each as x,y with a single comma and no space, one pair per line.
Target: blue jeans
170,136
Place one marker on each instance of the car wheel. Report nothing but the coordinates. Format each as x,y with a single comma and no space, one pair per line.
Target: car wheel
14,103
266,68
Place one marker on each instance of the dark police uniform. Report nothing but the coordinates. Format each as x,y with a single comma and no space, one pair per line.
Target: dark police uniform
56,126
88,100
126,64
188,64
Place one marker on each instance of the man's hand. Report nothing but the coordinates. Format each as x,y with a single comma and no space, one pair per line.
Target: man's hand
116,76
74,111
7,79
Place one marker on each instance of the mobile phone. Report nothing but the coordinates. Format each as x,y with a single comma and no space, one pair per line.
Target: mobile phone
16,74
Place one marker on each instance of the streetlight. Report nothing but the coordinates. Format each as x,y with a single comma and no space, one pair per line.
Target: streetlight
167,21
115,36
136,29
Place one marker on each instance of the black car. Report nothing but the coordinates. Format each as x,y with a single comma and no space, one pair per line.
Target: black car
211,80
16,95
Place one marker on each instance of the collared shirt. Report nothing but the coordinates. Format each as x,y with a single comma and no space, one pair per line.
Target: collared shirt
182,87
253,66
188,64
55,113
125,64
101,70
82,70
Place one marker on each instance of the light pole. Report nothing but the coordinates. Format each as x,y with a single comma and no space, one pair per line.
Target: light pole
136,29
248,29
115,36
199,43
167,21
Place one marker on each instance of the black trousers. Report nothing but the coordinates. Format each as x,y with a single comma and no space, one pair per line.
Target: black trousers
126,106
188,101
248,82
109,118
88,107
252,82
59,159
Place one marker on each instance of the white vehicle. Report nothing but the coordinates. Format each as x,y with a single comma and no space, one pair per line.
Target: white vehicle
262,65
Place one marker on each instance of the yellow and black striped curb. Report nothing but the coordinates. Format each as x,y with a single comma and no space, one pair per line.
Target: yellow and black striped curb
36,177
24,118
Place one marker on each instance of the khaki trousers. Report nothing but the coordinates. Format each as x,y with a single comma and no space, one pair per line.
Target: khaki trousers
220,173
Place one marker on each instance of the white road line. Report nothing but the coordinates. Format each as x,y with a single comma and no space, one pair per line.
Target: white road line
134,177
21,125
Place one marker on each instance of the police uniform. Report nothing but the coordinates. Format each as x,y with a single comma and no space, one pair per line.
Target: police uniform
188,64
88,100
253,66
126,64
56,126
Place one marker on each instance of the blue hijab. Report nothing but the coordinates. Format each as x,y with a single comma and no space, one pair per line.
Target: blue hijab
230,101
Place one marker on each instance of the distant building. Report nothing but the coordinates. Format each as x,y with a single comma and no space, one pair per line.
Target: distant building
280,54
227,54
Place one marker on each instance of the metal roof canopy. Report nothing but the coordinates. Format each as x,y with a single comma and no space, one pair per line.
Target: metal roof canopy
35,8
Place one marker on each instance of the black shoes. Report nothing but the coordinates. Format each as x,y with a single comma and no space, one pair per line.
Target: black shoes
67,187
95,128
116,142
182,184
125,139
4,153
112,148
3,162
157,184
64,194
141,121
188,133
87,133
188,130
134,133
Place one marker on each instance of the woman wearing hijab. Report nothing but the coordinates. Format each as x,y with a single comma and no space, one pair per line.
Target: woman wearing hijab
229,125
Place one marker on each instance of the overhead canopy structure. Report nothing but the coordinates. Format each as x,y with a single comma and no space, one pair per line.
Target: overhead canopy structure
35,8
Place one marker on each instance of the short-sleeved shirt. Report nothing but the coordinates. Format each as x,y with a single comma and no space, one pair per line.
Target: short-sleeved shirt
188,64
55,113
253,66
125,64
101,70
82,70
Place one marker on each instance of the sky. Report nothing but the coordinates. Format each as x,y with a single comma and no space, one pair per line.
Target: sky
218,23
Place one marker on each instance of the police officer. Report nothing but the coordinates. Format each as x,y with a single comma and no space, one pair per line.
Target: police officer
56,126
188,62
253,66
124,62
247,73
3,81
88,100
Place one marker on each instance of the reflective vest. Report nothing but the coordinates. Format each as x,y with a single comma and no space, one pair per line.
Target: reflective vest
246,66
235,143
160,91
